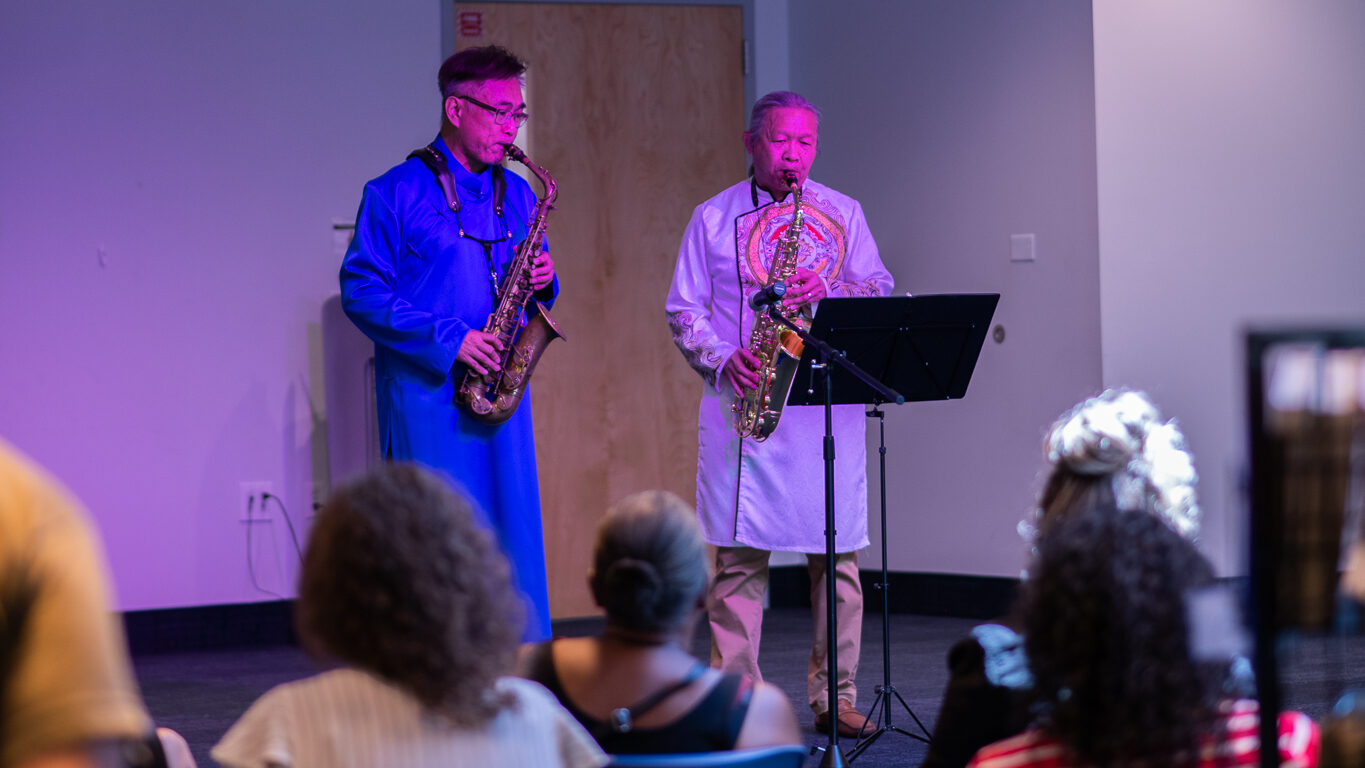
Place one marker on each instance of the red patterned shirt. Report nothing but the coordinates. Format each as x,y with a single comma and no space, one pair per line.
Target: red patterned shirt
1299,743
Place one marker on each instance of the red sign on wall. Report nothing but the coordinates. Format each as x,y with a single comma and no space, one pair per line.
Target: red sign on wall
470,23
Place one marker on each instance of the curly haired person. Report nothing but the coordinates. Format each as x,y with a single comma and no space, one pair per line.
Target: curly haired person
407,593
1121,483
1107,618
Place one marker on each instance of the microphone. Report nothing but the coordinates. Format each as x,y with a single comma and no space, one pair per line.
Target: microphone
770,295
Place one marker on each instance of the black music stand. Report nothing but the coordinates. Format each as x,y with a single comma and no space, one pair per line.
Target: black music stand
887,349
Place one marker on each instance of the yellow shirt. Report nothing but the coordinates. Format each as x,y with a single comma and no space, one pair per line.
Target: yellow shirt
70,680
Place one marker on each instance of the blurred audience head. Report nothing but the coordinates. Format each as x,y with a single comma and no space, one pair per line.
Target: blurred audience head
1116,450
649,563
401,581
1108,635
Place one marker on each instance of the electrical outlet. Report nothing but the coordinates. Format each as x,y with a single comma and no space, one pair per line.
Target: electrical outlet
251,501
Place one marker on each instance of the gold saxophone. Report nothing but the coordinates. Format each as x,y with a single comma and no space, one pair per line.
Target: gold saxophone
493,398
776,346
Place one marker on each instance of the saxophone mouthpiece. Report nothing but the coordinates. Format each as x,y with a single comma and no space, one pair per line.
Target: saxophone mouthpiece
790,178
514,152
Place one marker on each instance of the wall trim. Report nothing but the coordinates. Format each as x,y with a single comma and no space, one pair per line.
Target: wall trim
924,594
209,627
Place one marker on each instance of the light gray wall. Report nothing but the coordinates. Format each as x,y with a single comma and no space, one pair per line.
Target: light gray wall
1232,192
770,55
958,123
169,175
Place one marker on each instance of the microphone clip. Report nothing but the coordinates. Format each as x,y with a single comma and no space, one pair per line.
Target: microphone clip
768,296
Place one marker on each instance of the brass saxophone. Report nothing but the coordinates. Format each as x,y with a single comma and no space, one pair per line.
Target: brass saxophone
776,346
493,398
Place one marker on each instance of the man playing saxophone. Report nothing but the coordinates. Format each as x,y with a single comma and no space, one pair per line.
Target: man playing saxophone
434,240
756,494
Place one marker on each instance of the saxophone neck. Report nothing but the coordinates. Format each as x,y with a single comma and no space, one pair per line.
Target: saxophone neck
546,180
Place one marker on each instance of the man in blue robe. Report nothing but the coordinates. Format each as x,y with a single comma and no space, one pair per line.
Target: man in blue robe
420,278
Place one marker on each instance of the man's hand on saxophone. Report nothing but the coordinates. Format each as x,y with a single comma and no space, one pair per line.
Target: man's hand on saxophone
741,370
542,271
482,352
803,289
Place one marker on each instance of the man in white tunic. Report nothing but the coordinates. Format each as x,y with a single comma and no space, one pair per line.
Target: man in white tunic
757,497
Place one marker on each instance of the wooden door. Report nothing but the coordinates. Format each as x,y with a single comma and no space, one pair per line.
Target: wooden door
637,111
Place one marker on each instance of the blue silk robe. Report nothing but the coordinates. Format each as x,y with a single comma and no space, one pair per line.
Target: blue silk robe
411,283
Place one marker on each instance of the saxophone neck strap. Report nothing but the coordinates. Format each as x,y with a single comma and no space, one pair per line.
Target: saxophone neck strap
499,188
754,188
435,161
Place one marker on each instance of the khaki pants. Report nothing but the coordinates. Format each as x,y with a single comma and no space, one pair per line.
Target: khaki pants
735,607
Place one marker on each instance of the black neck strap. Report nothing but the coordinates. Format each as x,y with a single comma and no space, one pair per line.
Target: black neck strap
753,193
622,719
435,162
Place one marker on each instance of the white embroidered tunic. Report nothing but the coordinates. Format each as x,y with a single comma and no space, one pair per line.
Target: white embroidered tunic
770,494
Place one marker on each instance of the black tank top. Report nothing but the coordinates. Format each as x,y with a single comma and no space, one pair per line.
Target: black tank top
711,726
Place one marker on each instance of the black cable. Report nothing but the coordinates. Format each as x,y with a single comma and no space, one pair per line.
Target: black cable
267,496
250,560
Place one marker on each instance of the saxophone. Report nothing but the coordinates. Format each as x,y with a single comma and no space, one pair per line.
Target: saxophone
776,346
492,398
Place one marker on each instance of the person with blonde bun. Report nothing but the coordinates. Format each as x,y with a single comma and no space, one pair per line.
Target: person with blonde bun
636,688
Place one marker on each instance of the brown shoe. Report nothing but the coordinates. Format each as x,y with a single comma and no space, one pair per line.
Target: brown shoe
851,722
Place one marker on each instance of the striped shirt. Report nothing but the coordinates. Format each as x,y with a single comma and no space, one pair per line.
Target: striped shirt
347,718
1299,743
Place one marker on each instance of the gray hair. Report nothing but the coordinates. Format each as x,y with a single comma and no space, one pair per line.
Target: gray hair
1117,444
778,99
649,565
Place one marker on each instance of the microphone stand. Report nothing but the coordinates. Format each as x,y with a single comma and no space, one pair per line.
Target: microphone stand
829,355
886,690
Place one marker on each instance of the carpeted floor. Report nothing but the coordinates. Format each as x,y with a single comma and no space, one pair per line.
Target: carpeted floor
200,694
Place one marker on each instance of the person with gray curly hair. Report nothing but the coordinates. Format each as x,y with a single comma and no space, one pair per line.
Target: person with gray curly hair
1117,445
636,688
1114,449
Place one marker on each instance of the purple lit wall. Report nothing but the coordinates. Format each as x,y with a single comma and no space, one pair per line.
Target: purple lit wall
169,178
169,175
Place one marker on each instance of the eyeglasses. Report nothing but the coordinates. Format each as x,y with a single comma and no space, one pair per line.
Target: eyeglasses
500,116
